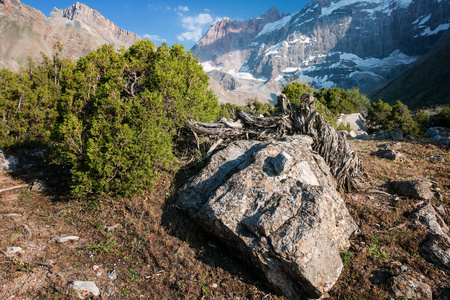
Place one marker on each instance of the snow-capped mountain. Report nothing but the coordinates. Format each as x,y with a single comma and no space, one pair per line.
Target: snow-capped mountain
328,43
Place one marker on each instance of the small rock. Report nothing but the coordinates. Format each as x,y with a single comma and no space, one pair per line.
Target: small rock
38,186
382,135
431,132
84,288
112,274
376,281
437,158
403,268
64,239
437,138
396,135
111,228
95,267
282,162
13,250
420,188
409,138
27,230
389,154
410,288
213,286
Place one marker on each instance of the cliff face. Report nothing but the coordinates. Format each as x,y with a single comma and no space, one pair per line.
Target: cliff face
328,43
92,19
25,32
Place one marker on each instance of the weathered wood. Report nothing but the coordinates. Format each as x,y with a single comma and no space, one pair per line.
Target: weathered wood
13,188
213,147
267,122
333,147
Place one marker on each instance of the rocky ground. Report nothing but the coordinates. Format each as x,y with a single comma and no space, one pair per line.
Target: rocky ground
146,248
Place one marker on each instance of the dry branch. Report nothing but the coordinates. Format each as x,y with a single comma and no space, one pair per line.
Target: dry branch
13,188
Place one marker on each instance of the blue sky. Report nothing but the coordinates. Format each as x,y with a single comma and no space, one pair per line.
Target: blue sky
173,21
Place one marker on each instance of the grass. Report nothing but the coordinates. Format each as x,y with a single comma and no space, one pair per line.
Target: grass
158,251
345,256
104,247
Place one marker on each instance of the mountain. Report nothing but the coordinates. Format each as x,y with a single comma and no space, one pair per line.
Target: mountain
25,32
342,43
425,83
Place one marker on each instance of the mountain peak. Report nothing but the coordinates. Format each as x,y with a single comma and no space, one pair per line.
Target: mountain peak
83,14
77,12
271,15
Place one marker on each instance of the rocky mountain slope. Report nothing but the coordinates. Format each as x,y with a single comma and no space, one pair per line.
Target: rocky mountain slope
425,83
25,32
328,43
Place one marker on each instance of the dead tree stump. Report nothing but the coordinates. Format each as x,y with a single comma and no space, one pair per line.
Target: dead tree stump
289,120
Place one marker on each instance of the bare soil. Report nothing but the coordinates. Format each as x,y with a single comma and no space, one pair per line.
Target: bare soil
158,253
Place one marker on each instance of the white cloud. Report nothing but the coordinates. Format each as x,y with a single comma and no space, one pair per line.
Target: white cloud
195,26
194,23
193,35
182,8
154,38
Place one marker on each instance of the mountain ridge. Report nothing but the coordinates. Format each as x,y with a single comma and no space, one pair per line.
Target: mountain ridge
26,32
345,43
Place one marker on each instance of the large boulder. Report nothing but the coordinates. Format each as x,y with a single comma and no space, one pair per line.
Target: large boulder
357,121
274,204
436,248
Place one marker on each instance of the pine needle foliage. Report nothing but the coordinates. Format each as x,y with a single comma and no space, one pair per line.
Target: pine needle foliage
119,111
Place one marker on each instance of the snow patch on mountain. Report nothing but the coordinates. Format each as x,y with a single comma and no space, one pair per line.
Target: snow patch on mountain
245,76
396,58
274,26
380,5
359,73
422,20
274,49
326,11
208,67
428,30
404,3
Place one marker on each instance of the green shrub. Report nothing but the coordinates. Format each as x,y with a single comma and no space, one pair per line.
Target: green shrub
378,114
441,119
398,117
230,111
421,118
330,102
295,90
119,111
340,101
346,127
28,102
